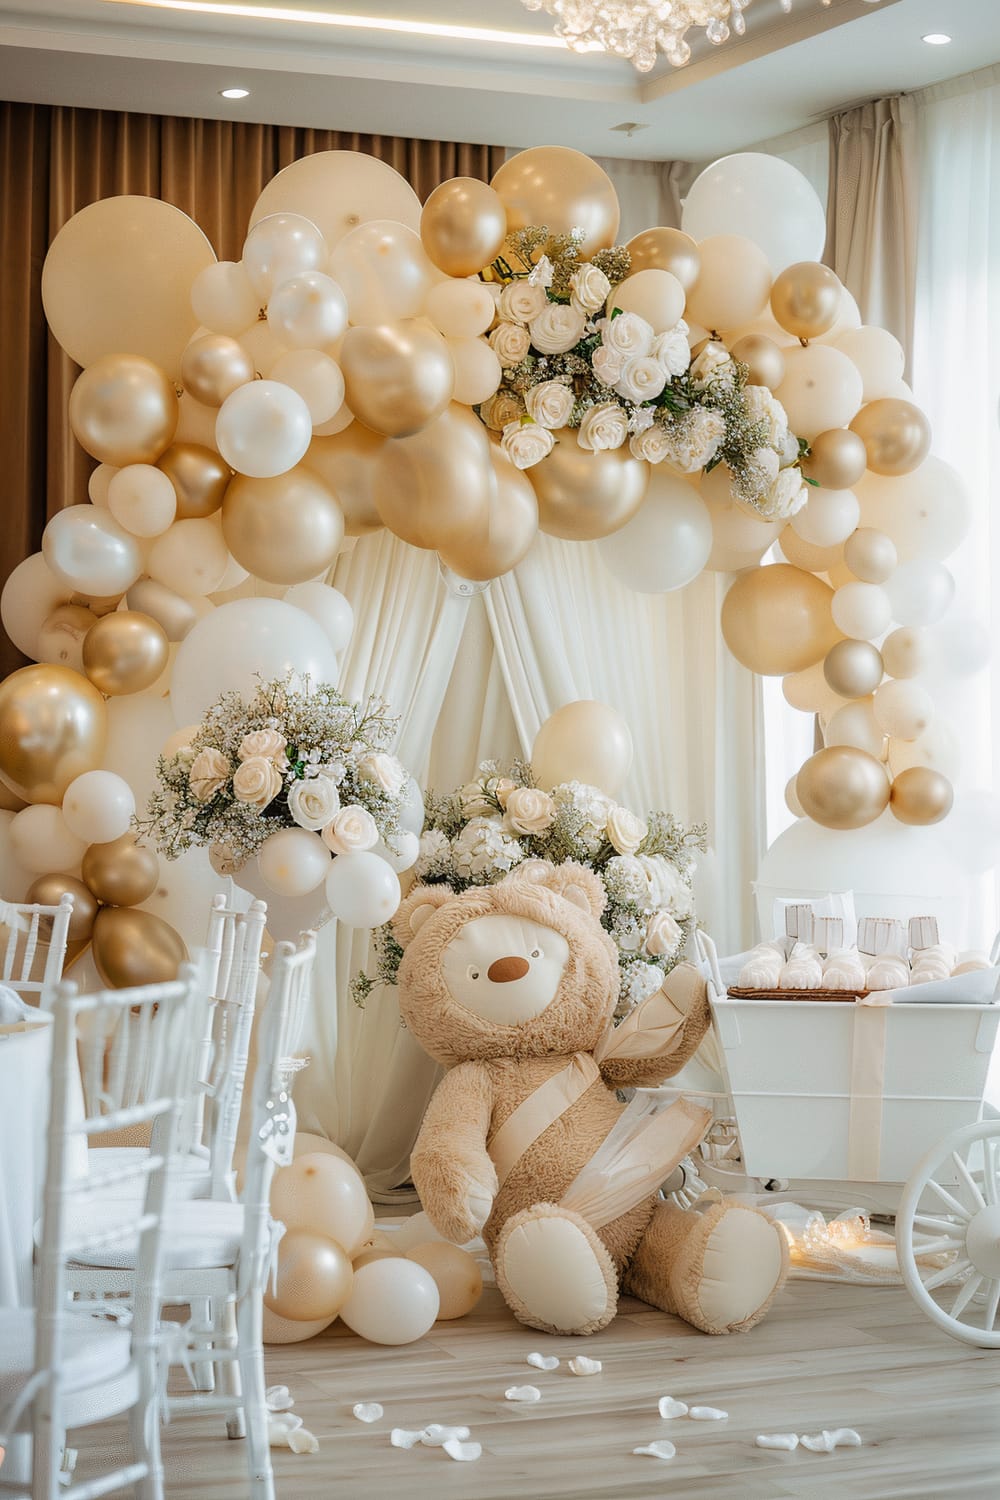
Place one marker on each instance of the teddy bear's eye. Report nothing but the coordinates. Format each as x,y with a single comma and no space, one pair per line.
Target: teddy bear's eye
536,953
473,972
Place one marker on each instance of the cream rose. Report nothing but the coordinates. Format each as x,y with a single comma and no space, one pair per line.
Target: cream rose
697,442
642,378
210,770
607,364
663,935
628,335
653,445
384,771
549,404
510,343
557,328
589,288
500,409
672,349
526,443
257,782
473,801
528,811
504,787
713,363
351,829
787,495
604,426
625,831
764,461
314,802
520,301
266,742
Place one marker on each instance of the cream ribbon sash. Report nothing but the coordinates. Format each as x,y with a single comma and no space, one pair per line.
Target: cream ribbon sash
864,1137
541,1109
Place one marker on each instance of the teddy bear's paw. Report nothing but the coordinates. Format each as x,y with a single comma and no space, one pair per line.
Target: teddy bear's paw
730,1268
554,1272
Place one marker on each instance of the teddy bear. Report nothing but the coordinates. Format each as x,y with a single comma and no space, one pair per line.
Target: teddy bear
513,988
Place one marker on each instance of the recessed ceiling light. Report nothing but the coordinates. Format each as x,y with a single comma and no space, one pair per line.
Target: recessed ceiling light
936,39
235,93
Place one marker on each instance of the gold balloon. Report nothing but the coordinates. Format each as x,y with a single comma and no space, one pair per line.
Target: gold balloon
53,725
463,225
842,788
121,873
284,530
346,465
124,652
662,249
8,801
397,376
561,189
313,1279
777,619
457,1277
48,890
920,796
584,495
853,668
123,410
896,435
134,947
199,478
805,299
436,484
213,366
60,640
763,358
837,459
503,537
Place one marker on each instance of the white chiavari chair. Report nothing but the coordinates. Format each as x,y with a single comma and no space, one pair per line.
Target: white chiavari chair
34,947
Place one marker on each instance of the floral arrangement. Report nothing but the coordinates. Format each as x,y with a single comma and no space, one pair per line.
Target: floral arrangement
502,821
616,380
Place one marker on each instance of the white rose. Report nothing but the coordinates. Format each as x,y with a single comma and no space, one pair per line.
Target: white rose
557,328
672,349
210,770
788,494
266,742
257,782
761,406
501,409
628,334
665,885
765,462
604,426
653,445
351,829
313,803
383,771
473,801
589,287
625,831
713,363
510,343
607,364
663,935
526,443
696,442
642,378
549,404
520,301
504,787
788,448
529,811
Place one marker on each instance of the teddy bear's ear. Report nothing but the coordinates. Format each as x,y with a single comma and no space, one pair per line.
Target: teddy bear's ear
422,902
575,883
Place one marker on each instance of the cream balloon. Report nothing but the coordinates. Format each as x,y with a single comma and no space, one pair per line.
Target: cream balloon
98,807
123,410
174,613
926,513
665,249
733,284
920,592
223,299
870,555
938,748
583,495
828,517
760,196
809,692
463,226
293,861
906,652
654,295
312,1278
124,652
98,483
199,477
263,346
739,538
778,619
862,610
61,638
842,788
86,549
804,555
284,530
853,668
855,725
142,499
346,463
904,710
792,799
667,542
195,423
327,607
189,558
384,272
338,190
362,890
563,189
436,484
41,840
477,370
308,312
879,358
502,537
279,247
583,741
456,1275
399,376
393,1301
316,378
460,309
325,1194
30,594
263,429
821,389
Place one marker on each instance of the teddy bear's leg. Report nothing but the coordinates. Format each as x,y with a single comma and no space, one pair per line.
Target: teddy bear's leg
719,1269
554,1272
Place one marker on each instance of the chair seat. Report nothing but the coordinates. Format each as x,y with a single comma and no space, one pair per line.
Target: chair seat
199,1235
94,1352
190,1176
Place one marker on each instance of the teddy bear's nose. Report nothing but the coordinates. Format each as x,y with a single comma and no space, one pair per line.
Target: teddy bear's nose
504,969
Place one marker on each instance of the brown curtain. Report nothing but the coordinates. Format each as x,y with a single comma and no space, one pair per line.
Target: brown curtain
53,162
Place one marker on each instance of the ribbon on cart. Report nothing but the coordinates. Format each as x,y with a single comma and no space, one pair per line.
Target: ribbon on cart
864,1137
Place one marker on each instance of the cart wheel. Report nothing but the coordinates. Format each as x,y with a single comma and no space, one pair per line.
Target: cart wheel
953,1197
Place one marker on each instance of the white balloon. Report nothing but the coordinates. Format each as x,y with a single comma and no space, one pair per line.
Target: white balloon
667,542
328,608
855,725
362,890
878,356
862,610
29,596
86,548
411,811
98,807
280,247
477,370
392,1301
142,499
99,482
821,389
938,747
293,861
263,429
404,856
828,517
926,513
904,710
137,729
959,647
384,271
308,312
460,309
42,842
316,378
920,592
190,557
223,298
906,652
762,197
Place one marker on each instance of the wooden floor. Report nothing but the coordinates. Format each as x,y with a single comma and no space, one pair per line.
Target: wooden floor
927,1407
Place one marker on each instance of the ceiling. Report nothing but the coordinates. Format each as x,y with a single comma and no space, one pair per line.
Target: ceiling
513,86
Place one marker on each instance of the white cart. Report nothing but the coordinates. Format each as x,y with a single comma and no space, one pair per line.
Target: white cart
892,1109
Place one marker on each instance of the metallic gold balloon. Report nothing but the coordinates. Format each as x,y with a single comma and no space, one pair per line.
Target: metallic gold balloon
346,465
584,495
436,484
172,612
60,640
805,299
123,410
920,796
124,652
662,249
896,435
48,890
504,536
463,225
837,459
562,189
53,726
199,477
213,366
134,947
853,668
313,1277
121,873
841,787
763,358
398,376
777,619
285,529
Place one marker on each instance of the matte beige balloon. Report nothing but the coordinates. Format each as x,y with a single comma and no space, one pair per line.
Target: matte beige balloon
174,613
896,435
123,410
853,668
777,619
214,366
733,283
837,459
134,947
346,465
662,249
326,1195
48,890
739,538
53,726
456,1275
919,797
313,1277
870,555
804,555
438,483
60,640
124,652
122,872
284,530
199,477
805,299
842,788
117,280
583,741
584,495
338,190
279,1331
463,226
504,536
398,376
560,188
762,357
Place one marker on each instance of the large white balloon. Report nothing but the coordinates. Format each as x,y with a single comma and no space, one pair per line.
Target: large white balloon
138,726
920,592
98,807
828,517
384,271
762,197
263,429
308,312
362,890
926,513
85,547
328,608
667,542
293,861
29,596
338,190
279,247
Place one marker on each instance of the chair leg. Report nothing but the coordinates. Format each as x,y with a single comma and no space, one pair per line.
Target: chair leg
144,1429
230,1375
204,1370
250,1322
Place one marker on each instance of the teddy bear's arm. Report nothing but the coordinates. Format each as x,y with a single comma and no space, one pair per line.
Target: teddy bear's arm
451,1170
660,1035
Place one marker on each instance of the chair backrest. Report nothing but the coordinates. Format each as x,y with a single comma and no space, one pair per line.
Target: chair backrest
35,948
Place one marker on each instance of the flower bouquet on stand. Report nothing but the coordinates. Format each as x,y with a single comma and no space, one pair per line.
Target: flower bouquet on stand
297,797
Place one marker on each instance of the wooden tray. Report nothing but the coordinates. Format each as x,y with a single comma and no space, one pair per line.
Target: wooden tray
739,993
